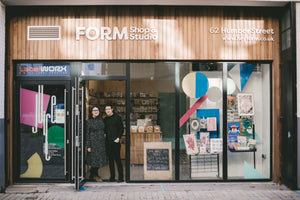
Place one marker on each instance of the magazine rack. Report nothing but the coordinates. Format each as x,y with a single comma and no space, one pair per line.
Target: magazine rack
248,150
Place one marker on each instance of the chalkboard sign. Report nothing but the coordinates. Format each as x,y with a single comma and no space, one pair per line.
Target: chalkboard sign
158,159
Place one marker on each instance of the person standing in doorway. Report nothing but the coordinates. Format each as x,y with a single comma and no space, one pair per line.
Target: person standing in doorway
95,143
113,130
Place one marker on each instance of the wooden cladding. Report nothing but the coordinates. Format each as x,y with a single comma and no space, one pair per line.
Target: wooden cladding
183,33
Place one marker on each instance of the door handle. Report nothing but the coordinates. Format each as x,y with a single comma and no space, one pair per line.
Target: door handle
65,132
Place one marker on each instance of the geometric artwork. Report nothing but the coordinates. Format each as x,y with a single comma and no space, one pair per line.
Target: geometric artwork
35,167
195,84
28,106
240,74
245,104
56,136
252,173
206,113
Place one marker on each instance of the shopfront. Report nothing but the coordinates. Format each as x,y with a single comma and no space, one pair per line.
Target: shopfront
196,87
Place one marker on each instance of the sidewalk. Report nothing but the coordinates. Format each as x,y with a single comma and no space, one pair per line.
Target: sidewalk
153,191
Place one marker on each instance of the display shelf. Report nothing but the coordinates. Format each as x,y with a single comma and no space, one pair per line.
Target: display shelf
250,150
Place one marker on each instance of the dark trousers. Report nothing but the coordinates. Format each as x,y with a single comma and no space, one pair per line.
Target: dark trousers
113,152
94,172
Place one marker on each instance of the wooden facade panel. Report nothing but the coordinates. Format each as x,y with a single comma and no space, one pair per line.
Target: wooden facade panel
183,33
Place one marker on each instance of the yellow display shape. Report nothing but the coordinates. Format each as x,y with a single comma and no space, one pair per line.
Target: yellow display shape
35,167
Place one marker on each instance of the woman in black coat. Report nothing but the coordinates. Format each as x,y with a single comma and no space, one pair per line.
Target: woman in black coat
95,143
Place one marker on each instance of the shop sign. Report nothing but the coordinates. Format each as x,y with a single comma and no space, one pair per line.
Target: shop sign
244,34
43,69
107,33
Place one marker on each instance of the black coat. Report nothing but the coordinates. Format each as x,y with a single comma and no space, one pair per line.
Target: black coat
95,139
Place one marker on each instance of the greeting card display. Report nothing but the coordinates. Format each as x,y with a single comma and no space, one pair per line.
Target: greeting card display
233,142
216,145
231,103
204,142
245,104
247,126
242,140
234,128
190,144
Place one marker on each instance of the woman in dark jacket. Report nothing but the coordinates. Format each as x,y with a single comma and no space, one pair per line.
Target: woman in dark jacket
95,143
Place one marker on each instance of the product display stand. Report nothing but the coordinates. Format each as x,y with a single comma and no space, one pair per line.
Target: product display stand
249,150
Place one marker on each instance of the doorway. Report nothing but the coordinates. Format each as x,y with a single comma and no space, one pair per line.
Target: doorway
100,93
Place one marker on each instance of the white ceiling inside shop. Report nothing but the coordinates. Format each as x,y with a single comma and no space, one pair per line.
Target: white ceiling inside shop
147,2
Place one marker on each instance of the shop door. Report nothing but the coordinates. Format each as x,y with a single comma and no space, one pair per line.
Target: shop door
86,95
42,126
77,135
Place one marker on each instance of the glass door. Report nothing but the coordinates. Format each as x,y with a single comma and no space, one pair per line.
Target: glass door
77,134
42,130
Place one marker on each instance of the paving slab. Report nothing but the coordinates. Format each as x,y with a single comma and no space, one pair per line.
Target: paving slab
152,191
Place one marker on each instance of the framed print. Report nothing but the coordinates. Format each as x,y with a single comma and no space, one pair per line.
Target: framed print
233,128
245,104
190,144
211,123
195,124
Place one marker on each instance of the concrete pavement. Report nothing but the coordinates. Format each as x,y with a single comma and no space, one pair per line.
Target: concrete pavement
151,191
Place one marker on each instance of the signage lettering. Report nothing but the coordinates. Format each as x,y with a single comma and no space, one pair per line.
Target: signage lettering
106,33
244,34
42,70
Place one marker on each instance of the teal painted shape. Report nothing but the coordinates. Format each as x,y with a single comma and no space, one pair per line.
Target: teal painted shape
56,136
201,85
257,138
245,72
251,173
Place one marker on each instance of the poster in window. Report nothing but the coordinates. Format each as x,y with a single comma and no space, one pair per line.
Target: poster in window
211,124
231,103
246,127
234,128
245,104
190,144
204,142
